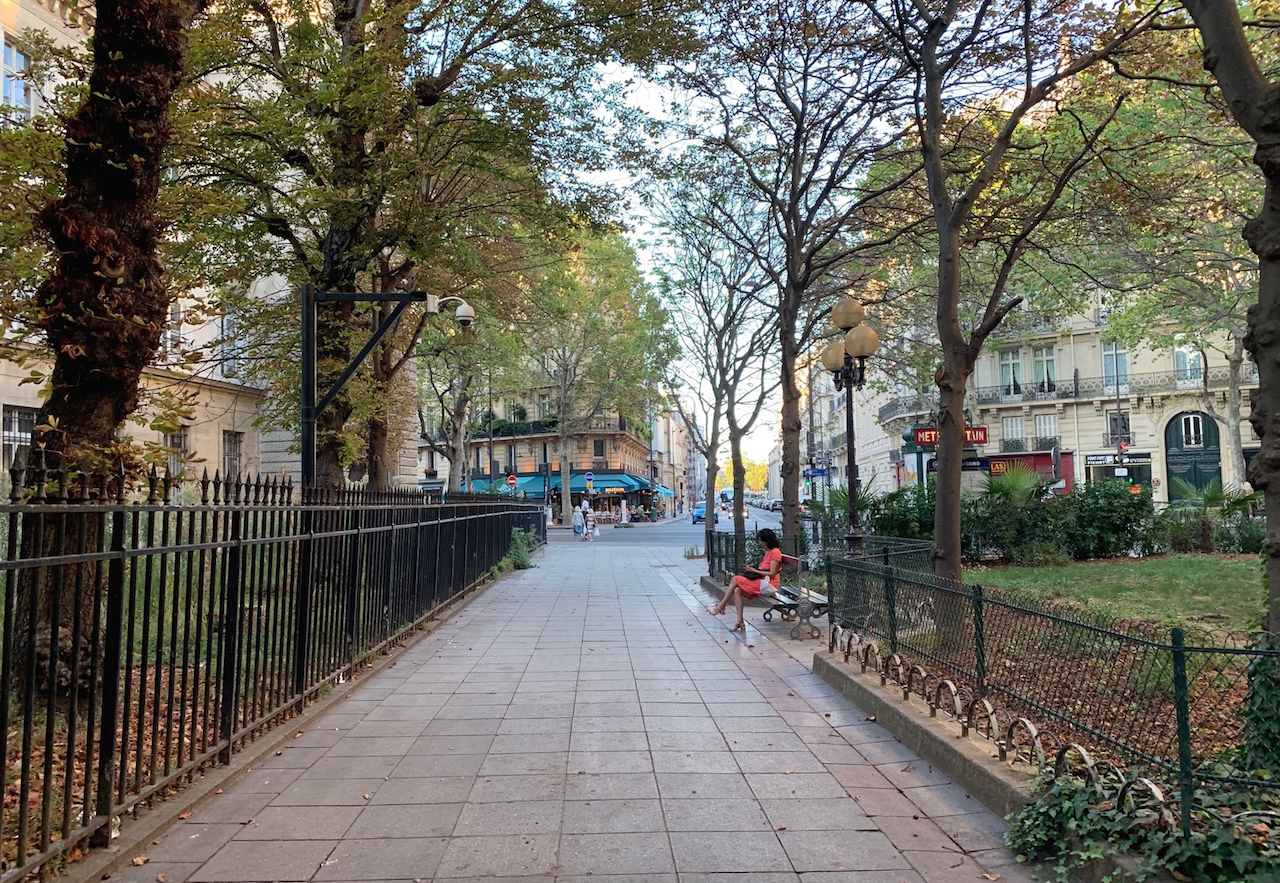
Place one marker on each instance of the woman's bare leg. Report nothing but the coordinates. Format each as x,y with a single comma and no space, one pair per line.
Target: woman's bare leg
739,604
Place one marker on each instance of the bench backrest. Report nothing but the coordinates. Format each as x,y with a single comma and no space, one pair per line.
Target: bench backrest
792,563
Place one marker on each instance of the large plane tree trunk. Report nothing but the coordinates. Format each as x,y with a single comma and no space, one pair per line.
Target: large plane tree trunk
105,304
1255,103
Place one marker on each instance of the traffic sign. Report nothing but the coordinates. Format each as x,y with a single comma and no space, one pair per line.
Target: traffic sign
814,473
928,435
511,481
590,476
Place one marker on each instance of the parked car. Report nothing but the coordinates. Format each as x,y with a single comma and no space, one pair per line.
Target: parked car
775,505
700,513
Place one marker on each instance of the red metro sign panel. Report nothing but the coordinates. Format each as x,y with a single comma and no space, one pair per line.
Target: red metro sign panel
928,435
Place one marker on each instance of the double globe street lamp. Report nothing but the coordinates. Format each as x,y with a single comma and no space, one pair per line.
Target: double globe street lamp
847,362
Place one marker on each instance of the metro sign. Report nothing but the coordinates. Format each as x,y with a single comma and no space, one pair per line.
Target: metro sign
928,435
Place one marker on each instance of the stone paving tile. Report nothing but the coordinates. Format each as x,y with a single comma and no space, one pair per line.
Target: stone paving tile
642,853
249,861
520,817
641,815
300,823
398,821
173,872
735,851
406,858
192,843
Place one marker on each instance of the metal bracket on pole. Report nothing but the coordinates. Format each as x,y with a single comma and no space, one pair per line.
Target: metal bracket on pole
311,409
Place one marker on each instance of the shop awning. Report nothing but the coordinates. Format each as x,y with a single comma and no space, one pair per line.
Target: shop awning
664,491
603,483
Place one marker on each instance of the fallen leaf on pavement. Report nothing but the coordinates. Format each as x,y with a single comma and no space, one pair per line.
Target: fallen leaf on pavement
160,878
185,814
140,860
990,876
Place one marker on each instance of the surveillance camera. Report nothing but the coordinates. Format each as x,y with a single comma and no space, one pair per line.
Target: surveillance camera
465,315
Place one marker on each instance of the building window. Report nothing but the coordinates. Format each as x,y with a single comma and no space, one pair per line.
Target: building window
597,447
544,452
176,445
1046,431
19,426
1012,427
477,459
1046,371
231,444
1117,427
171,340
228,332
1192,431
1188,366
18,104
1104,309
1011,374
544,407
511,460
1115,366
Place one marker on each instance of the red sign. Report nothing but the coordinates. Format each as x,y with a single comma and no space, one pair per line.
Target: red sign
928,435
511,481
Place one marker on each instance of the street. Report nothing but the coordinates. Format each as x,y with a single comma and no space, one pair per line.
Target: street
682,533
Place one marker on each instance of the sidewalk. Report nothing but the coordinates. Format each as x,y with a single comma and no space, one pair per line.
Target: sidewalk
587,720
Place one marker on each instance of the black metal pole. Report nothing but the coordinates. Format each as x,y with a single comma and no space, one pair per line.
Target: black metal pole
309,384
854,537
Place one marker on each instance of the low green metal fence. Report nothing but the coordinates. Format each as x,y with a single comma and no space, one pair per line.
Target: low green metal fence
1194,709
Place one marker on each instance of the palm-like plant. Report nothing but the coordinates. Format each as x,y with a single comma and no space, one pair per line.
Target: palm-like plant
1018,486
1215,500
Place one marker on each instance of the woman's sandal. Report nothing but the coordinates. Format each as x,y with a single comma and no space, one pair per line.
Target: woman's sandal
741,626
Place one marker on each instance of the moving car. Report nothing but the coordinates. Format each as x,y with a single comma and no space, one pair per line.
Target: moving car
700,512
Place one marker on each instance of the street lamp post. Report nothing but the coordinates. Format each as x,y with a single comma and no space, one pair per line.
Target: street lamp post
847,362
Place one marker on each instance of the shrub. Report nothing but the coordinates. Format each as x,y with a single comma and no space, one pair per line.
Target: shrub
1106,520
1239,533
522,542
906,512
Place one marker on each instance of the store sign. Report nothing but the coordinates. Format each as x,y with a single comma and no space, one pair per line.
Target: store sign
613,490
1135,458
968,464
928,435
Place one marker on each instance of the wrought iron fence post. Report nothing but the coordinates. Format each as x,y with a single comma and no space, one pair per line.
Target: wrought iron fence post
979,641
831,605
354,567
112,634
305,591
891,602
230,643
1180,699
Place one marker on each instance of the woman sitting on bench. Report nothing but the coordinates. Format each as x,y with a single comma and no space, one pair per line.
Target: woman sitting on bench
749,583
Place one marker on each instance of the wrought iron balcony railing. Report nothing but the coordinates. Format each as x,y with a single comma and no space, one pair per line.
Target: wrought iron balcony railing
1012,445
1046,442
1077,387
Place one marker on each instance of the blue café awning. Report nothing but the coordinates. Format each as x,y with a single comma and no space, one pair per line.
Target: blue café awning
602,483
664,491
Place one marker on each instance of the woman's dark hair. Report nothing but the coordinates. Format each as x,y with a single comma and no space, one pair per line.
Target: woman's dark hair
768,537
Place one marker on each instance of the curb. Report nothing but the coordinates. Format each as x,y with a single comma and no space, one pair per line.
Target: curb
999,787
151,823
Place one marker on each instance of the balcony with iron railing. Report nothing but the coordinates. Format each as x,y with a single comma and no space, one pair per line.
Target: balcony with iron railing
1029,323
1111,439
908,405
500,428
1023,445
1077,387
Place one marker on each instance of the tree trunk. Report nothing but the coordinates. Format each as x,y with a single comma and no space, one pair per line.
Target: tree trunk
713,470
947,537
791,424
379,474
566,467
1253,102
106,302
1235,441
739,479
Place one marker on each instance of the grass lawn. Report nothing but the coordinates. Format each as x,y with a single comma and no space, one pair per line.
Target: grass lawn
1220,591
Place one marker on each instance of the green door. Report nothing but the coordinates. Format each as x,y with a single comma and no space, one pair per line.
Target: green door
1192,451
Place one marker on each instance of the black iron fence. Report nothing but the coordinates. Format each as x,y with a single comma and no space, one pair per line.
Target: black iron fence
728,553
1035,677
144,639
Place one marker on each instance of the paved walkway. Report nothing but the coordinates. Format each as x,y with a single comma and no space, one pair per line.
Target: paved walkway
587,720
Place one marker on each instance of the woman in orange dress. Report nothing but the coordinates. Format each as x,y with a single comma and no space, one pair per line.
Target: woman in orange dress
751,581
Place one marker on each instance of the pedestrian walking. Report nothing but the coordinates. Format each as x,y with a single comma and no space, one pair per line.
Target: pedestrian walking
592,529
579,522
